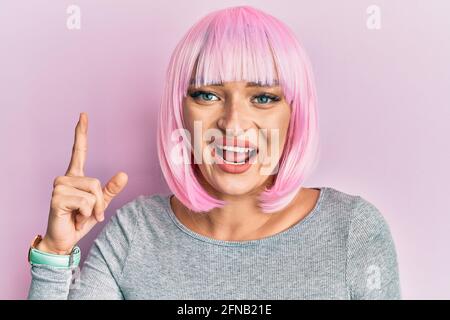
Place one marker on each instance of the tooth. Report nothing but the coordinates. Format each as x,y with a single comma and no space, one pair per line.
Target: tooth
236,149
235,163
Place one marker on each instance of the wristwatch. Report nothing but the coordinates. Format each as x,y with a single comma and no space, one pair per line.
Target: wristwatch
62,261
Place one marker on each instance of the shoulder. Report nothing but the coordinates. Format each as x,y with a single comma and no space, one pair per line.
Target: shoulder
132,223
125,228
356,210
371,257
366,228
367,221
142,208
351,216
142,215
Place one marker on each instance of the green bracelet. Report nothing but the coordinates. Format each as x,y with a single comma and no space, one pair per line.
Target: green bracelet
36,256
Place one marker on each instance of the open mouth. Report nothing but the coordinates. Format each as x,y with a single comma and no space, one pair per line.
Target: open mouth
235,155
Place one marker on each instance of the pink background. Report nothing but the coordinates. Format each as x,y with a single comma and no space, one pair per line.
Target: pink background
383,108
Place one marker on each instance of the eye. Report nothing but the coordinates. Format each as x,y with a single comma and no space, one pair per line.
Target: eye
207,95
264,98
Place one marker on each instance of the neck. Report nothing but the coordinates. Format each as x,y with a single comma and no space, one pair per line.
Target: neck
240,219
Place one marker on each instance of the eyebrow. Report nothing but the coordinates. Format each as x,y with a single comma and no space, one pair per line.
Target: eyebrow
248,85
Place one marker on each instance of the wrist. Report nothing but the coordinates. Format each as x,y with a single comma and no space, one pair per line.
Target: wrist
45,246
43,253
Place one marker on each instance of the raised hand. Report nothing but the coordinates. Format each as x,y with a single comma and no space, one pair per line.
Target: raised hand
78,203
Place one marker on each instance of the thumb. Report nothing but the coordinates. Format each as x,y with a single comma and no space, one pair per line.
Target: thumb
114,187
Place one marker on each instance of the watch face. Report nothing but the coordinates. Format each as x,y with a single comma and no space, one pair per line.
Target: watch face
75,250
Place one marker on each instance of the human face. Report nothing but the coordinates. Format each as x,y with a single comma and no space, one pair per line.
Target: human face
246,115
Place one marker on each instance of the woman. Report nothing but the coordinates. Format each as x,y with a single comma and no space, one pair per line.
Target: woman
237,137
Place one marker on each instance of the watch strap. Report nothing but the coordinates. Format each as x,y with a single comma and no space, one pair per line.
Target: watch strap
36,256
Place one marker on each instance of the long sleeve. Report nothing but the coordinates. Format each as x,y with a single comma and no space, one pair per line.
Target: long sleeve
372,269
102,270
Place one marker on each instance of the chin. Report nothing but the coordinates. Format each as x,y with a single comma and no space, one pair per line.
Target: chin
233,185
234,190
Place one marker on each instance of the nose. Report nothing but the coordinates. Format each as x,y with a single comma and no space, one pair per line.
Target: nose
234,121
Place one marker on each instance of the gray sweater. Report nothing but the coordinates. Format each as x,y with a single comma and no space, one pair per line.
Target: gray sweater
342,249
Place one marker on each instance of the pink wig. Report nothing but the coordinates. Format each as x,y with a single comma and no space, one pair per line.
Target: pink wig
240,44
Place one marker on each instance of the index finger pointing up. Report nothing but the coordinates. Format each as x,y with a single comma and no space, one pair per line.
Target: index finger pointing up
79,150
